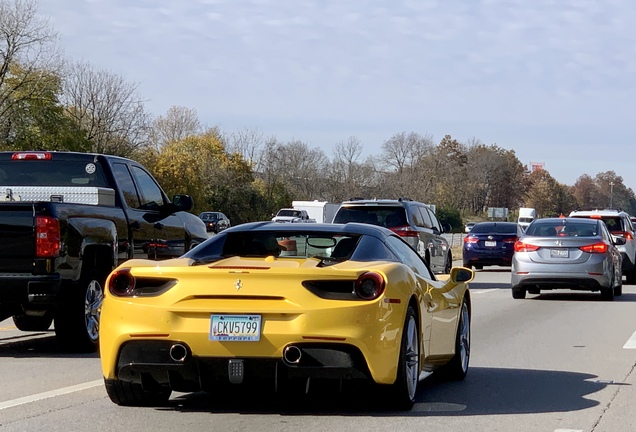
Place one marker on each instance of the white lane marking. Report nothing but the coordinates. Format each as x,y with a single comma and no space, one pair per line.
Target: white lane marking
481,291
631,342
50,394
568,430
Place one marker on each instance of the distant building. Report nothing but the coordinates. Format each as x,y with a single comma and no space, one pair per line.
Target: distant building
536,166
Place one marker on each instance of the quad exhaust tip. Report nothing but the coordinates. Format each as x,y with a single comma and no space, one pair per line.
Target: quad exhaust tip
179,353
292,355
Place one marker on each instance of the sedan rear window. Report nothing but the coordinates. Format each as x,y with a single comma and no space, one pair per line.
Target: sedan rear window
494,228
562,230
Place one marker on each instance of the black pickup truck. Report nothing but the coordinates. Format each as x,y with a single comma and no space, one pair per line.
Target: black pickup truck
66,220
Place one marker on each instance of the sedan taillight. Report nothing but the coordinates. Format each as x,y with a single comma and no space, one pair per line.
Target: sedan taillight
510,240
595,248
525,247
470,239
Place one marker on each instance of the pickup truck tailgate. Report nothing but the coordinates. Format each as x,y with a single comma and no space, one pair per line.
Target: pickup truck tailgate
16,238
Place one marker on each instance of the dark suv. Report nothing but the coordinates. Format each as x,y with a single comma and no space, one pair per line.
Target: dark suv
215,221
415,222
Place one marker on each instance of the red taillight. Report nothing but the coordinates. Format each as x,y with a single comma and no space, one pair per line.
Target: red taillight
510,240
370,286
525,247
405,231
595,216
470,239
624,234
121,283
595,248
32,156
47,237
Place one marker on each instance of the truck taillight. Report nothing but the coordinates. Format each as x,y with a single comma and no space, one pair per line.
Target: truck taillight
47,237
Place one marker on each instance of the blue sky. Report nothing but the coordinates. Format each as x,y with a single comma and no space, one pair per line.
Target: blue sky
553,80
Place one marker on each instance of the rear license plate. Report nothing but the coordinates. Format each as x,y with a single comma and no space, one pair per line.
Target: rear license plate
490,243
559,253
244,328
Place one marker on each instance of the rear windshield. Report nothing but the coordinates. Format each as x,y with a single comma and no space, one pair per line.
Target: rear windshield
51,173
386,216
292,213
330,247
209,216
558,229
613,224
494,228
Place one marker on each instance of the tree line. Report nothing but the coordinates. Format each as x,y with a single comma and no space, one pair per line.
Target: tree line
48,102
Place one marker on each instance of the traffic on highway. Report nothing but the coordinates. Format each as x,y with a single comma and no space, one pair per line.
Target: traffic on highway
557,361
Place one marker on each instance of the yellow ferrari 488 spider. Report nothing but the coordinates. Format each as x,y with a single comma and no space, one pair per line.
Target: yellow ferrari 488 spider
274,304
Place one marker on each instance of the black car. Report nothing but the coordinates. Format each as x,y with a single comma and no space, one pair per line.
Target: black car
490,243
215,221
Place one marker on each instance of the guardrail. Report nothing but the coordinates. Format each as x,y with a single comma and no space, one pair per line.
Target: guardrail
455,239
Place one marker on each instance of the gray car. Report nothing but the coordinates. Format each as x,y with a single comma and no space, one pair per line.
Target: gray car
567,253
414,221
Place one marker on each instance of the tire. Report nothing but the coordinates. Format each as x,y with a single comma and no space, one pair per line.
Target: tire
518,293
32,323
618,289
607,293
405,386
449,264
457,368
132,394
478,266
77,323
630,277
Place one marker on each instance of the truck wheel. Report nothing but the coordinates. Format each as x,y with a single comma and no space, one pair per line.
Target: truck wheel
449,264
32,323
133,394
77,323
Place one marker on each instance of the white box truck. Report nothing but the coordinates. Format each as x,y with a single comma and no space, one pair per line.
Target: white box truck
526,216
321,211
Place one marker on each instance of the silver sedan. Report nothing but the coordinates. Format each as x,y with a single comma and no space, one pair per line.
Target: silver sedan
567,253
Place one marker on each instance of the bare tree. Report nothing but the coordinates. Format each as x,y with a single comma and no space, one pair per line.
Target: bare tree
249,143
106,107
347,172
28,56
178,123
405,154
304,168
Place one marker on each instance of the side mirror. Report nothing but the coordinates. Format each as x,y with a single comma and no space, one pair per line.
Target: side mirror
620,241
447,228
183,202
461,274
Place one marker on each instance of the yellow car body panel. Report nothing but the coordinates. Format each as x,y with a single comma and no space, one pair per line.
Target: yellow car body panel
271,288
